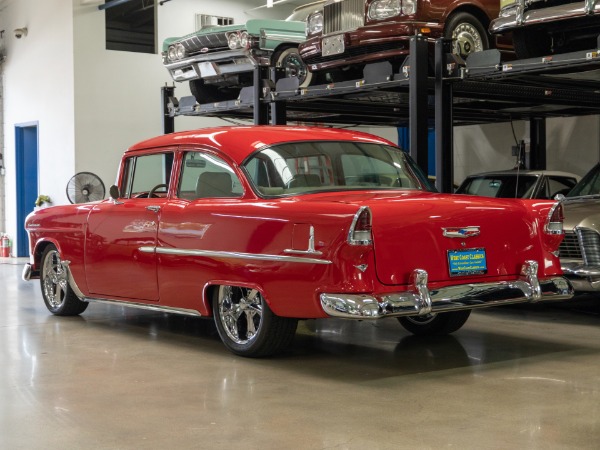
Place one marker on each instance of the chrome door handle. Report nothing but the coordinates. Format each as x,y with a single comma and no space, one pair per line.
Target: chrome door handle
153,208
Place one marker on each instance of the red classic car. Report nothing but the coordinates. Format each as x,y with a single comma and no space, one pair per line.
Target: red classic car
351,33
262,226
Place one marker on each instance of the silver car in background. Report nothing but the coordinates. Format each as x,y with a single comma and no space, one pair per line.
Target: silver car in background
580,249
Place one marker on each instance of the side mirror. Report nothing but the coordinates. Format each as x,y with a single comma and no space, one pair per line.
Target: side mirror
115,194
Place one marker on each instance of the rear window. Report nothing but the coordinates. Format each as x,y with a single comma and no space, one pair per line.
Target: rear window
300,167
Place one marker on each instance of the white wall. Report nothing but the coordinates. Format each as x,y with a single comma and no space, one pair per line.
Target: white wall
117,101
38,87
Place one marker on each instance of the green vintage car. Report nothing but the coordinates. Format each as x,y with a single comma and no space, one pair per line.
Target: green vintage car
219,60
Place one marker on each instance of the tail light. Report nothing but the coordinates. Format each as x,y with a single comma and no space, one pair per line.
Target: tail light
360,231
555,220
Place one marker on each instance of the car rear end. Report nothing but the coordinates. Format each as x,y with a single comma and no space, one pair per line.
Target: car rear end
437,253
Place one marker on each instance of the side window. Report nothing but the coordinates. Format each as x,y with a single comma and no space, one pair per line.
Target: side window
560,185
145,173
207,176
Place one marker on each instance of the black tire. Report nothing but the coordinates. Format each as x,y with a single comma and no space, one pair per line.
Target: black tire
289,59
210,93
468,34
435,324
531,43
56,291
246,324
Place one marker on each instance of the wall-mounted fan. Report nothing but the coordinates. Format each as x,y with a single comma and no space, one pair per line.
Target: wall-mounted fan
85,187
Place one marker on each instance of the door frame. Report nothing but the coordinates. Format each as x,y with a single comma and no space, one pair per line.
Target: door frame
24,204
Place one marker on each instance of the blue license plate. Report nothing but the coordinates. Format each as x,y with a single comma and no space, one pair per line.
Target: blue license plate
468,261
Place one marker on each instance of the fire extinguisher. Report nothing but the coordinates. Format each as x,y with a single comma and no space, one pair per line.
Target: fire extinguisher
5,246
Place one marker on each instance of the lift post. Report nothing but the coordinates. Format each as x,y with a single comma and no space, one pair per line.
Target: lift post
537,146
167,93
444,131
418,101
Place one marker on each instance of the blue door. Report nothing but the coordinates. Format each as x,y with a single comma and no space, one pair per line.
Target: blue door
26,143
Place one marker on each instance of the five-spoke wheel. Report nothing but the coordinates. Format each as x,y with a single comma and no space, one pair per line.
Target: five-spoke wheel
246,324
58,295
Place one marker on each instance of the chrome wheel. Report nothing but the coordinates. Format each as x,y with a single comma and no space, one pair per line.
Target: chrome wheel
54,280
240,312
246,324
422,320
468,34
467,39
289,60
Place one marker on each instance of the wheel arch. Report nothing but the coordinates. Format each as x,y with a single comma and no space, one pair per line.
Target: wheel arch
40,247
474,10
212,286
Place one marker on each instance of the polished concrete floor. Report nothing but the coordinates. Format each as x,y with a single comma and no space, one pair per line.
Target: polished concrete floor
117,378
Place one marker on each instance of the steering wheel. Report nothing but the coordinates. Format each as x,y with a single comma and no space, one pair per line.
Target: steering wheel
155,188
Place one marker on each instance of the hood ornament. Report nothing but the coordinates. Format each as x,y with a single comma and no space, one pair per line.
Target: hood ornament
461,232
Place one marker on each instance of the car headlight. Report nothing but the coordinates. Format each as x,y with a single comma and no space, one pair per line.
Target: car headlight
179,50
172,53
244,40
314,23
409,7
384,9
234,41
508,8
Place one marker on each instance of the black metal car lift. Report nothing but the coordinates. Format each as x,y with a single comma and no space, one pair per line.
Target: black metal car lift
481,90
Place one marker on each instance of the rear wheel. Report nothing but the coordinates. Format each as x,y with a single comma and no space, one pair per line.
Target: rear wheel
468,34
435,324
58,295
532,43
246,324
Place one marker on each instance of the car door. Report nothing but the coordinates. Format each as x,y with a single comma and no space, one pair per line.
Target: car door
121,236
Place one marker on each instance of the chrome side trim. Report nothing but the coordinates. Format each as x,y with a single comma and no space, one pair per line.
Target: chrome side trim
580,270
157,308
232,255
311,245
420,300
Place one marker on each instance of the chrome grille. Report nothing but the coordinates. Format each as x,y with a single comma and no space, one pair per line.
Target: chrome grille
590,243
569,247
213,41
343,16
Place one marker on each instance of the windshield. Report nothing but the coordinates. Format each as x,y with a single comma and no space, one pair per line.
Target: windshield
300,167
589,184
501,186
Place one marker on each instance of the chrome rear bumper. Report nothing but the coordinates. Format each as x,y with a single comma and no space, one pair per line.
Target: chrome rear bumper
420,300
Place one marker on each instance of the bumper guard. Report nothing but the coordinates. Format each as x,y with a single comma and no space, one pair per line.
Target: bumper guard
420,300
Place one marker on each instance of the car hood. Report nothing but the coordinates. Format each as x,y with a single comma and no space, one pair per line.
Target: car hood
582,213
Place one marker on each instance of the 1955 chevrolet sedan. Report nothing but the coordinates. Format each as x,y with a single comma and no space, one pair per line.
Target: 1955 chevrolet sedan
262,226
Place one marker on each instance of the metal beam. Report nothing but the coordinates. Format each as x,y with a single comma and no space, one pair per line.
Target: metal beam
537,146
444,127
418,101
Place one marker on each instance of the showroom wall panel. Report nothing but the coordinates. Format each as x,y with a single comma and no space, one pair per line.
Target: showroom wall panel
38,80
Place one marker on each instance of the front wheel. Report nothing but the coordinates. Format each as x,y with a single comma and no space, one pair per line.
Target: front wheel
435,324
246,324
289,60
468,34
58,295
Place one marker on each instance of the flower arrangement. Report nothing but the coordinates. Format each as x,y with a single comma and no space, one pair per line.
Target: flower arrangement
42,199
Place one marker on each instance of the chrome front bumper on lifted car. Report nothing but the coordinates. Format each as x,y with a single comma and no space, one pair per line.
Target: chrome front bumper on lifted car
421,301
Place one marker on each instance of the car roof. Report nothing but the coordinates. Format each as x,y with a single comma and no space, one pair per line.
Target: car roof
525,172
240,141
